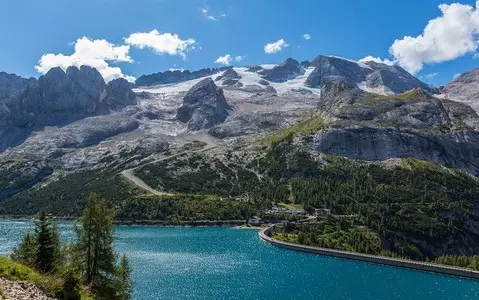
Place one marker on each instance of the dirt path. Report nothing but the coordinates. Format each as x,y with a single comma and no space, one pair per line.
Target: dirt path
129,174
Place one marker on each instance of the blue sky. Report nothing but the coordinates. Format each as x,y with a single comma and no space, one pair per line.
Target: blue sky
193,34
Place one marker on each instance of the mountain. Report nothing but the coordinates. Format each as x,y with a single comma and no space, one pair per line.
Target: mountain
69,121
203,106
175,76
58,98
11,83
464,88
370,76
287,70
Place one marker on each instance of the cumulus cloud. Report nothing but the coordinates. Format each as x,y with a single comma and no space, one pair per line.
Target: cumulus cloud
377,60
275,47
224,60
306,36
94,53
161,43
240,58
452,35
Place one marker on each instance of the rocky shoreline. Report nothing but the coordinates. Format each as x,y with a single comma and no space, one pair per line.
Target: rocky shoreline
19,290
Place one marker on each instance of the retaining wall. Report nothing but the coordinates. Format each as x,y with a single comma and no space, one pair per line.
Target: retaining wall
403,263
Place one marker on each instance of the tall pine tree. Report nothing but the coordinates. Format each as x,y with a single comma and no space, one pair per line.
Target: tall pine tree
45,240
95,247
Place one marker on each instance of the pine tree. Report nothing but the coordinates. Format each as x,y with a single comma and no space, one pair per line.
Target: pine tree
124,279
26,251
71,286
45,252
95,246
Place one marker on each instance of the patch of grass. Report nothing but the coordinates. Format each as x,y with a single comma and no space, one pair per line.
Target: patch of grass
17,272
308,126
411,163
290,206
51,285
373,99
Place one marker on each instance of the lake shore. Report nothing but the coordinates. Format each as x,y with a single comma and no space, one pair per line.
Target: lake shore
160,223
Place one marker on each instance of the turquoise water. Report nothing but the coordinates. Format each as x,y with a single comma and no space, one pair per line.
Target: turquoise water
223,263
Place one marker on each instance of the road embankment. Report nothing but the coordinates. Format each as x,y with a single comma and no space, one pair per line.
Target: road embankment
403,263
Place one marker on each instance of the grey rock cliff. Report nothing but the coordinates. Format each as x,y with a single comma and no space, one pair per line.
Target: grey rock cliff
392,79
455,149
120,94
465,89
203,106
11,83
414,124
59,98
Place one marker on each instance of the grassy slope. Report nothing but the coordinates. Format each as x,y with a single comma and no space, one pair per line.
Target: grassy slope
49,284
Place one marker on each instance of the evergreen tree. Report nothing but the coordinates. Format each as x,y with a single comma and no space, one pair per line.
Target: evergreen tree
71,286
124,279
45,252
95,246
26,251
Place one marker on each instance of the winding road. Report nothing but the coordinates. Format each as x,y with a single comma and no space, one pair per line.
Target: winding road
129,174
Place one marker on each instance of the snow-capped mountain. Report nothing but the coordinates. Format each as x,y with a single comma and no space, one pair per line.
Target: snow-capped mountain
79,125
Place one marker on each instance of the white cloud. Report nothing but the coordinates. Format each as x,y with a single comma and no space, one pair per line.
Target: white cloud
161,43
224,60
455,76
430,76
275,47
452,35
376,60
94,53
240,58
208,15
306,36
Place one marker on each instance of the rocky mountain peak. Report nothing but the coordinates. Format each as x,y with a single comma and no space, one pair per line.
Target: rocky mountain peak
204,106
11,83
288,69
464,88
330,69
229,77
371,76
119,94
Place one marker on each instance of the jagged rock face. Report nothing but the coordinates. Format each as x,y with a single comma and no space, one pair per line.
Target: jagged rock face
465,89
59,98
289,69
395,79
229,77
254,69
458,149
175,76
414,124
389,79
120,94
76,91
305,64
11,83
203,106
334,70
